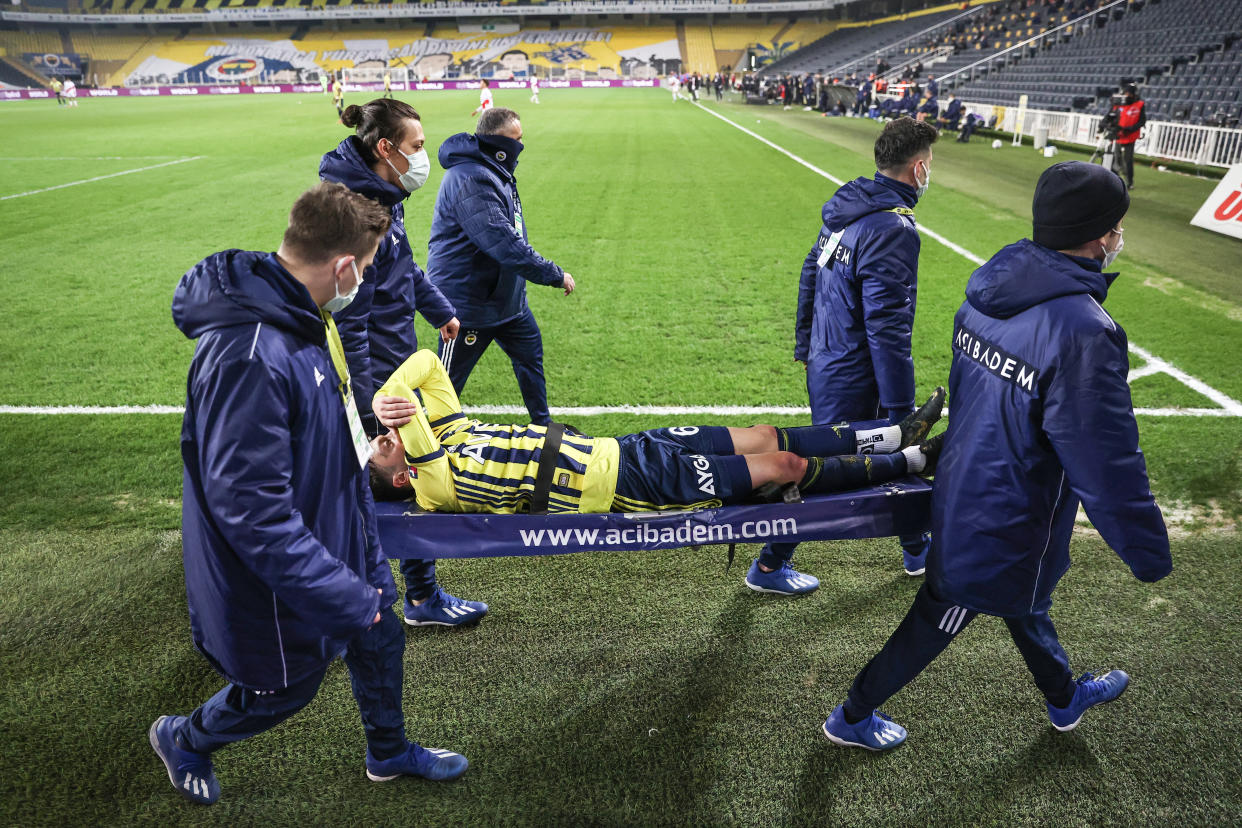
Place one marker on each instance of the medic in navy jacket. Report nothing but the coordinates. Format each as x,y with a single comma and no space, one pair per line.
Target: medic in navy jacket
856,311
282,562
378,326
1041,419
479,256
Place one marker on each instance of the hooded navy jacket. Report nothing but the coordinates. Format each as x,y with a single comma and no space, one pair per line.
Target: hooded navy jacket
377,328
1042,419
478,253
856,314
279,542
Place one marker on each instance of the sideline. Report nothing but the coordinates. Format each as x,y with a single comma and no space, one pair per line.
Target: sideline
1229,407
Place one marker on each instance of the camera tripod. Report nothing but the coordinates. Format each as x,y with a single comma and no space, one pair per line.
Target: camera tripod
1106,153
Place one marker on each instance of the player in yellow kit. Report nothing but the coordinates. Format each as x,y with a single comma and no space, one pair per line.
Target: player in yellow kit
457,464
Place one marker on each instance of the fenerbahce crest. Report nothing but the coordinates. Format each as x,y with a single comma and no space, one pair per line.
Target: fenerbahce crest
234,68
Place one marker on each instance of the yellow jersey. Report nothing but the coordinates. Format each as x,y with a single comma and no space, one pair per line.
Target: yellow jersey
458,464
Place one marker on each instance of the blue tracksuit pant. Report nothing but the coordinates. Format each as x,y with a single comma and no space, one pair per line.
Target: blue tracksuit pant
521,341
929,627
376,669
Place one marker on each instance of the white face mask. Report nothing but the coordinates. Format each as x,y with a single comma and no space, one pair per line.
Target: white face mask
339,302
1110,256
921,190
416,175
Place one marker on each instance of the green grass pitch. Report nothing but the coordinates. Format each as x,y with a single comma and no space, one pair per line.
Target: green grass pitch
610,688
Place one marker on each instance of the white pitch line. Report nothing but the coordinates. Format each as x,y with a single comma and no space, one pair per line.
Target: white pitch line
100,178
84,157
1230,407
567,411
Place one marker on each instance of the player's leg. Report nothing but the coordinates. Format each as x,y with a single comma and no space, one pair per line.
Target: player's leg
185,743
1067,700
427,604
375,660
461,354
522,342
929,627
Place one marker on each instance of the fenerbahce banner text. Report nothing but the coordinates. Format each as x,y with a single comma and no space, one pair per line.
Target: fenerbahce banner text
1222,211
902,507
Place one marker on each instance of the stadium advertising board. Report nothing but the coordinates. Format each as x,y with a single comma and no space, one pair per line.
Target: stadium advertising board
1222,212
285,88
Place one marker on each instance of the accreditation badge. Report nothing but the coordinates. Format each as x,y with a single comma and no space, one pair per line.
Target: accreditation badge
362,443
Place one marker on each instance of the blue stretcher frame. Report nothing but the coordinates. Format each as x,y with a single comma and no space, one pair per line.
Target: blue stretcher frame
901,507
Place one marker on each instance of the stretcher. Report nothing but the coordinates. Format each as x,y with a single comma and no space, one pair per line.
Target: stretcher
901,507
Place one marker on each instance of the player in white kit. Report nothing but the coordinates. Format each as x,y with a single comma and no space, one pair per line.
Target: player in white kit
485,97
674,86
534,89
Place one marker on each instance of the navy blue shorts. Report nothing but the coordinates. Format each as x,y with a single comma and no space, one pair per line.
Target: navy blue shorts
679,468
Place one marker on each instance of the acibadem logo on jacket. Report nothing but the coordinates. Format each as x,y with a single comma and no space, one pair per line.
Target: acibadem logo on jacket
997,362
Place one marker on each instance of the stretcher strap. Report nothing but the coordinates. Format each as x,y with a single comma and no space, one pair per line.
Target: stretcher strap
548,455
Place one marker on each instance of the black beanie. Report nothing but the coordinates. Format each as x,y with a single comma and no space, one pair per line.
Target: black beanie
1076,202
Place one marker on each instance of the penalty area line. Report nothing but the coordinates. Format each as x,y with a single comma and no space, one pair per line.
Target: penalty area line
100,178
1229,406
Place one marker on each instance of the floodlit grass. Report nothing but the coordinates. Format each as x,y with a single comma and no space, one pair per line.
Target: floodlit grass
605,688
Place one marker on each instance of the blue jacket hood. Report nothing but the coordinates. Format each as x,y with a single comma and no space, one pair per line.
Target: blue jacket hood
347,165
235,287
864,196
1025,274
464,147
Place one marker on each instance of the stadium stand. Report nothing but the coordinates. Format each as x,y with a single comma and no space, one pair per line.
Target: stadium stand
1183,54
857,47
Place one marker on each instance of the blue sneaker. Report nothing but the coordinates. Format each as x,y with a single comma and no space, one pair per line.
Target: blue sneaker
190,773
914,556
783,581
434,764
878,732
1089,692
444,610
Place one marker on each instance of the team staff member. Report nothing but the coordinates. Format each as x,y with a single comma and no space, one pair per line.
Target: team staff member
1131,118
457,464
1042,419
283,566
856,299
386,161
480,258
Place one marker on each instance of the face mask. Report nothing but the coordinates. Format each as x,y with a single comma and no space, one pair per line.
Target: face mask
920,190
1110,256
339,302
416,175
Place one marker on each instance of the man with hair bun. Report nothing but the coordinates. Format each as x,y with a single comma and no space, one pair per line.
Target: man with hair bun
387,162
856,298
480,257
284,571
1042,421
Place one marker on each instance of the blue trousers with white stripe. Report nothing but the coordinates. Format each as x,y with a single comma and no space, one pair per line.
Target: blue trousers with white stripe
376,671
521,341
929,627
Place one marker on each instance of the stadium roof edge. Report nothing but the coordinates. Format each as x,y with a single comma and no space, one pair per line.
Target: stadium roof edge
434,10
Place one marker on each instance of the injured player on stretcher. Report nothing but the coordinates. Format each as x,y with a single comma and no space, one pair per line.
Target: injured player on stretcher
452,463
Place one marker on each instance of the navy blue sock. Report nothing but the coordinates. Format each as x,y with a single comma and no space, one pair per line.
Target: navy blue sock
837,474
817,440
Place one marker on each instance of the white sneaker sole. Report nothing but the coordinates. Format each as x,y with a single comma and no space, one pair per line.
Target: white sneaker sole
776,591
837,740
915,573
375,778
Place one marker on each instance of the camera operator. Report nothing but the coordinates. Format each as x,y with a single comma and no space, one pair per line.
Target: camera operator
1130,116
